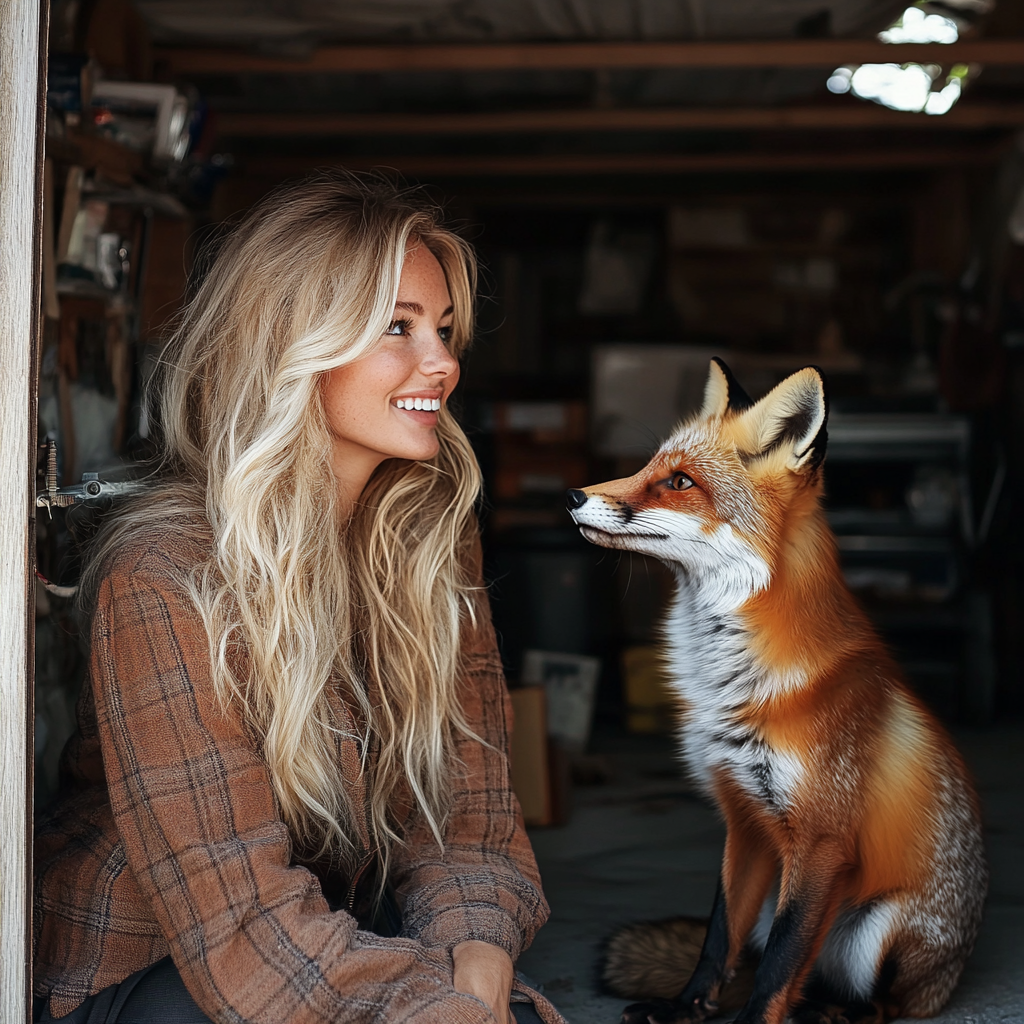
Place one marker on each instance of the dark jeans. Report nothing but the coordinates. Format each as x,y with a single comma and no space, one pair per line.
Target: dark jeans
157,995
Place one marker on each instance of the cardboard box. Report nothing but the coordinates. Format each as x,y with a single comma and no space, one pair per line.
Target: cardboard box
531,774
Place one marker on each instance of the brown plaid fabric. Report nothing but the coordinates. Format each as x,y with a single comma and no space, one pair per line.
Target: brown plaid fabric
168,840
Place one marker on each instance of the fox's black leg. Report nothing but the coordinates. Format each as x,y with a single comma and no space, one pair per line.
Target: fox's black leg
808,905
748,869
701,992
697,1000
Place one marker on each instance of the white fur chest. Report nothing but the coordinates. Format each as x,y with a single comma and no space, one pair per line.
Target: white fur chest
713,671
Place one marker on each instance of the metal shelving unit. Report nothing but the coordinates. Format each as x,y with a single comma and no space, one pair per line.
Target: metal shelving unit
912,565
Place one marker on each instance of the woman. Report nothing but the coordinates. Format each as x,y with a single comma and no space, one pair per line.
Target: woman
296,715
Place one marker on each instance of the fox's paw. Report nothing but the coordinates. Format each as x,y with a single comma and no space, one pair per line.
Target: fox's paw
668,1011
654,1011
815,1013
855,1012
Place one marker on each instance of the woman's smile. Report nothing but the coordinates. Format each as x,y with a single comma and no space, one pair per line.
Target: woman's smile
427,403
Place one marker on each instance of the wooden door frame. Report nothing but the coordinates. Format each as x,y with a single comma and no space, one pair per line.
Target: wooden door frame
23,25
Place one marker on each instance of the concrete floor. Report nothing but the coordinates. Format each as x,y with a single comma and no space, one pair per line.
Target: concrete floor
642,846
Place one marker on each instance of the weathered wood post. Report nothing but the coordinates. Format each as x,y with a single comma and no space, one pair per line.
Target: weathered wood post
22,67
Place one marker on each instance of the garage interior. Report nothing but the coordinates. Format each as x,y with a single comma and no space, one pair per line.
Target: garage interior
648,184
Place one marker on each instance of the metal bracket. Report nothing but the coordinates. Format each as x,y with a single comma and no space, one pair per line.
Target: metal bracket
90,488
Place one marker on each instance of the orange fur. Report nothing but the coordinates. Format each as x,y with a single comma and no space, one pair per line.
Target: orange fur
827,770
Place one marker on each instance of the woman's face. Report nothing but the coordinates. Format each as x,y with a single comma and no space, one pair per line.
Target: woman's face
371,404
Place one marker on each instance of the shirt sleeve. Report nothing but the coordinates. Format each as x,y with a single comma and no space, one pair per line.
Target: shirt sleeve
250,933
484,884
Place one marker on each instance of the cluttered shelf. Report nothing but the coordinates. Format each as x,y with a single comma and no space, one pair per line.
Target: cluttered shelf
127,182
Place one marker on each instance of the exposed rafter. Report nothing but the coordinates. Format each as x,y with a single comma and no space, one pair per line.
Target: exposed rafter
634,163
790,53
841,113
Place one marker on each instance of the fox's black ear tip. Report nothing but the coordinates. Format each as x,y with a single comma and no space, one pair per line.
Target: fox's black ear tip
820,442
738,400
823,379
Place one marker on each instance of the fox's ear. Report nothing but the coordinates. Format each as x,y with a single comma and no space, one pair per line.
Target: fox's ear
722,393
791,418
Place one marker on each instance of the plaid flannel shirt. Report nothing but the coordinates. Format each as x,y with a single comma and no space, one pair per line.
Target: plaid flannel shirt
169,840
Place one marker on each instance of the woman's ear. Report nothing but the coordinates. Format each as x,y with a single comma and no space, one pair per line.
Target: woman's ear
789,421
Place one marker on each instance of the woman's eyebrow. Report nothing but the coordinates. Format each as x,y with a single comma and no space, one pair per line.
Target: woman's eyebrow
415,307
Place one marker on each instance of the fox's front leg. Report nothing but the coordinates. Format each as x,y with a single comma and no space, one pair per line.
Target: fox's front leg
748,869
813,887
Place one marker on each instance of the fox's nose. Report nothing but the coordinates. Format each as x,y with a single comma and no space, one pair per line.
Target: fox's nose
574,499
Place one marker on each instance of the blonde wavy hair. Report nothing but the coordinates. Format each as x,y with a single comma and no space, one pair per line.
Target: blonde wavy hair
316,595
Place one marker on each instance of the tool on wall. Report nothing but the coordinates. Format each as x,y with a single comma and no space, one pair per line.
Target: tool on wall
89,488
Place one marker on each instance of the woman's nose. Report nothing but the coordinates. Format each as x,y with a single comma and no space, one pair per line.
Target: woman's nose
438,359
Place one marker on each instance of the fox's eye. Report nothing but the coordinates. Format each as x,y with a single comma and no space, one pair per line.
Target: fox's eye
680,482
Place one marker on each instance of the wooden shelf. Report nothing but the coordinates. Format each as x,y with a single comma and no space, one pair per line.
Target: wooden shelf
114,161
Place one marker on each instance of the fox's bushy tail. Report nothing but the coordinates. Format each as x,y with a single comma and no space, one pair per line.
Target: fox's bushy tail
654,959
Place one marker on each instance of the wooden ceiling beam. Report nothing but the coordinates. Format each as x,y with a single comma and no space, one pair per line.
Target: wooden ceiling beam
182,62
842,113
632,163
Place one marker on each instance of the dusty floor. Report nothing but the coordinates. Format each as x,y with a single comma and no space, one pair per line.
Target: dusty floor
642,846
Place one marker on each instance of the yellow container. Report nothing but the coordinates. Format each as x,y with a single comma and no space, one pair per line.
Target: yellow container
651,705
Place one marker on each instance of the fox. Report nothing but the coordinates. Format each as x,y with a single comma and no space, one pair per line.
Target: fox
853,857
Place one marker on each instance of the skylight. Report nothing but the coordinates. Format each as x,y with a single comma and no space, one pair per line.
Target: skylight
921,88
915,26
911,87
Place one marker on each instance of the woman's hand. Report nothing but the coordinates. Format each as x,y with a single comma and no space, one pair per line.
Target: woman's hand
485,971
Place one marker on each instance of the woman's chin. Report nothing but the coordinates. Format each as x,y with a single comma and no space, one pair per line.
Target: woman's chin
422,450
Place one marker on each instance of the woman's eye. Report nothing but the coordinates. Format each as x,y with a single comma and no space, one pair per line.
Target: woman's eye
681,482
446,334
398,327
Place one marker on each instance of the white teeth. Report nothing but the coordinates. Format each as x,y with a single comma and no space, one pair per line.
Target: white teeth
424,404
